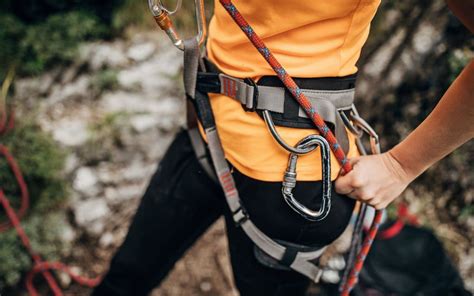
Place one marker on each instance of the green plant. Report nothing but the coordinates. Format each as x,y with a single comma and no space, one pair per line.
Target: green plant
56,40
41,162
44,232
132,13
12,31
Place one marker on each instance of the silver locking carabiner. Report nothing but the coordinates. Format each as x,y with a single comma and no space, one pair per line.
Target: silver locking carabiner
289,180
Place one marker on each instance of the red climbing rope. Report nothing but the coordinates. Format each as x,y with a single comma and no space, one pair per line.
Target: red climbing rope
320,125
39,266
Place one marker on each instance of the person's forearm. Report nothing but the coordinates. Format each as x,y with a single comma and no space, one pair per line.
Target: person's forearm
464,10
449,126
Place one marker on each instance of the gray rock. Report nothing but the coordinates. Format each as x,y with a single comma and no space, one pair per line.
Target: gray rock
76,89
141,52
116,195
102,55
71,132
137,171
122,101
86,182
106,240
72,162
143,122
90,214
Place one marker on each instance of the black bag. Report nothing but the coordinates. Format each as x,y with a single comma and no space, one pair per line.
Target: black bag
413,262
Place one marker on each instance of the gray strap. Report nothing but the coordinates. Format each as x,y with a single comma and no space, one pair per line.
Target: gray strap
301,262
200,150
328,103
191,62
273,98
341,133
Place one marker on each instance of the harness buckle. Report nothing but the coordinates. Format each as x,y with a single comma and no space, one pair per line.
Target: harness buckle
251,101
240,216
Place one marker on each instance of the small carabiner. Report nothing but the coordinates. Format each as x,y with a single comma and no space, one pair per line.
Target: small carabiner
289,180
162,18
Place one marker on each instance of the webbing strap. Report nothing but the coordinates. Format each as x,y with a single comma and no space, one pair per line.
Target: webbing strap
273,98
191,62
328,102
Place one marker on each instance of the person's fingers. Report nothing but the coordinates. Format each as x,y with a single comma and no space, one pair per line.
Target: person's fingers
364,195
344,184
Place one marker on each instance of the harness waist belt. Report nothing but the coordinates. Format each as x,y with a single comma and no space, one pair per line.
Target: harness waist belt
275,99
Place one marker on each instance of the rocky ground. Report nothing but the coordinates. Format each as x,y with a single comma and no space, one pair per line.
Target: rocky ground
115,111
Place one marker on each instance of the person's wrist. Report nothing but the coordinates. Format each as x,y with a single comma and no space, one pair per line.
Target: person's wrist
405,169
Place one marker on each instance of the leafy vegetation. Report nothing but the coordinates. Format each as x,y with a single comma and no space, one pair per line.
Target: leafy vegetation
44,232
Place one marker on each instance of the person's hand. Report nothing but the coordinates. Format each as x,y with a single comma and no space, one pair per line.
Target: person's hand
375,179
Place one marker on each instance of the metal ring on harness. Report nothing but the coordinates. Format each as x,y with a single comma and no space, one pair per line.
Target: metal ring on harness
358,126
289,180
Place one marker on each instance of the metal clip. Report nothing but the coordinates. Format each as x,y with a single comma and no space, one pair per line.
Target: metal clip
289,179
358,126
162,18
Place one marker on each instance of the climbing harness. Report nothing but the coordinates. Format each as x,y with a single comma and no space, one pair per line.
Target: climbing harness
336,107
7,123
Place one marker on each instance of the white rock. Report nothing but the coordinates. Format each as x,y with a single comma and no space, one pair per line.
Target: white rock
106,240
137,171
143,122
71,132
88,212
72,162
141,52
104,55
68,235
123,193
156,74
86,182
78,88
122,101
96,228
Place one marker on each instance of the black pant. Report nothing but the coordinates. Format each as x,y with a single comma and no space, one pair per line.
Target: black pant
181,202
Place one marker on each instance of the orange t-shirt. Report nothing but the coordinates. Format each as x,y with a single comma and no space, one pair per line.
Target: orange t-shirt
310,39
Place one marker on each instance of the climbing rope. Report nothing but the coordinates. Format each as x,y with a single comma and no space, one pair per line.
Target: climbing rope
14,217
320,125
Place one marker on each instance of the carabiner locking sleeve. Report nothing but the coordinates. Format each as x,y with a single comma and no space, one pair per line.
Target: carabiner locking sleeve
162,18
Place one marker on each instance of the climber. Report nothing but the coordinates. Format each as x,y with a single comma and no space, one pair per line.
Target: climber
317,45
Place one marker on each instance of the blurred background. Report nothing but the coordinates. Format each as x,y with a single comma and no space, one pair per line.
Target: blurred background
97,92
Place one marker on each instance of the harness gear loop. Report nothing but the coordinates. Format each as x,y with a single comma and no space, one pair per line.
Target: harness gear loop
289,180
298,149
162,18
